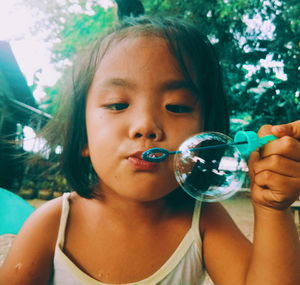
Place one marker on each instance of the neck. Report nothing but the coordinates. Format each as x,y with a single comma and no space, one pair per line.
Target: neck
128,212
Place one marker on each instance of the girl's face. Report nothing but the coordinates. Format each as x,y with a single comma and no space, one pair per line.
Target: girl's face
138,100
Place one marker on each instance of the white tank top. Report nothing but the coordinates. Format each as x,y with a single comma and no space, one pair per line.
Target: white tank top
184,267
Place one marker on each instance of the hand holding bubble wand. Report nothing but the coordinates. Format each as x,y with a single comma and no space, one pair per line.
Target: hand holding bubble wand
210,166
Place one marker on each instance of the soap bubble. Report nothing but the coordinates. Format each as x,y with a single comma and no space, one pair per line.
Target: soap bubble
209,174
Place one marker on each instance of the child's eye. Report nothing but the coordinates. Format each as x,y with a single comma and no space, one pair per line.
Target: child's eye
117,106
179,108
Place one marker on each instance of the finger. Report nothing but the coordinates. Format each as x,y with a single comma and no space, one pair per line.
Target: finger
254,158
273,199
282,185
265,130
285,146
278,164
291,129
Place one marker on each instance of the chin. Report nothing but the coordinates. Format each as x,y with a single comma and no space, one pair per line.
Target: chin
144,190
179,197
148,194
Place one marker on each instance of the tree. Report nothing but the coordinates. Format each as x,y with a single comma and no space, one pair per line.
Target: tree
129,8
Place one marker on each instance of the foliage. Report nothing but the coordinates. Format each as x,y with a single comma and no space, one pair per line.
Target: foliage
261,35
257,41
79,31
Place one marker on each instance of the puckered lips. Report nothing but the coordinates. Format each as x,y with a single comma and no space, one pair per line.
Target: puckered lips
138,163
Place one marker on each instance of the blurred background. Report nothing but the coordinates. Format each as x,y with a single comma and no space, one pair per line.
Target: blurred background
258,42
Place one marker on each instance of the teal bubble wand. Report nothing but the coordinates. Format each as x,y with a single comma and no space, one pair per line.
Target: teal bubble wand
210,166
246,142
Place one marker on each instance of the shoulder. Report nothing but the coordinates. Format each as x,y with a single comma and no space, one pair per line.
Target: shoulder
43,223
213,214
215,220
30,258
46,217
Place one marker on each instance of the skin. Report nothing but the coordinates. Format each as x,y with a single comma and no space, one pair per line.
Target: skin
130,108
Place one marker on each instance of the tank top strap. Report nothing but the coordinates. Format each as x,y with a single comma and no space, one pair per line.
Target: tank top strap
63,220
196,221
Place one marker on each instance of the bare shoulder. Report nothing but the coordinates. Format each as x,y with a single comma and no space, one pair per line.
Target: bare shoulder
223,244
216,222
30,258
214,214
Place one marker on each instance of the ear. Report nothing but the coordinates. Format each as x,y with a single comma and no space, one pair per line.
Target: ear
85,152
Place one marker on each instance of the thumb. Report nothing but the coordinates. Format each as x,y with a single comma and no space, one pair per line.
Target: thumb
291,129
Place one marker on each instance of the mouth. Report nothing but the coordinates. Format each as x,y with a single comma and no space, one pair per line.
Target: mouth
138,163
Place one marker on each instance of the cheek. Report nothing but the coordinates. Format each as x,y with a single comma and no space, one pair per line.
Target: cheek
100,131
100,147
182,133
100,158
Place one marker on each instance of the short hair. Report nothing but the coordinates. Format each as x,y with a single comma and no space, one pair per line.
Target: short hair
197,61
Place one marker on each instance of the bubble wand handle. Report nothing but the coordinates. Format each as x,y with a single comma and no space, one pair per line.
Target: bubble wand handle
253,141
246,142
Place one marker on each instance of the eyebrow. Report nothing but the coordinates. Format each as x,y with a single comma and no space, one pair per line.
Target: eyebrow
119,82
177,85
169,85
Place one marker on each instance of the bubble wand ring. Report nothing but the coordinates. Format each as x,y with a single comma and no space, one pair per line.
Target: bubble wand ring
149,155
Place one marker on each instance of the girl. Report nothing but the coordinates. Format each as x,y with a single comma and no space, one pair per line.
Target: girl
153,83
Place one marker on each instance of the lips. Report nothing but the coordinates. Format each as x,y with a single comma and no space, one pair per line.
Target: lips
138,163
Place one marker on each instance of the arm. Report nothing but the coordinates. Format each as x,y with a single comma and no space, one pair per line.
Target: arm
276,252
274,257
30,259
275,175
226,250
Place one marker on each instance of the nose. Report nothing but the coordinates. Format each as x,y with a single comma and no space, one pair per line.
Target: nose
146,126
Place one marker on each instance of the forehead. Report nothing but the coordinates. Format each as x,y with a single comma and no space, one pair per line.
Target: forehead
138,53
142,43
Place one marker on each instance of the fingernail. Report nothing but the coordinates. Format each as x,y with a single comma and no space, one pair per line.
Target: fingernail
280,128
